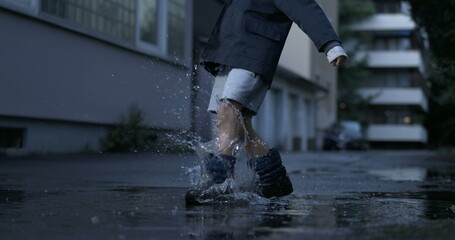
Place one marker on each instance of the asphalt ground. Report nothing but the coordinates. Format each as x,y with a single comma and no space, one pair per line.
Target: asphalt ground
337,195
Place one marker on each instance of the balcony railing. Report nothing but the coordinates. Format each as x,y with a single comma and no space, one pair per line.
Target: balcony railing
394,59
397,133
396,96
386,22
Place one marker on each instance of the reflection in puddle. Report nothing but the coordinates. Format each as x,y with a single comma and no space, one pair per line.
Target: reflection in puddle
138,211
302,214
11,196
401,174
446,175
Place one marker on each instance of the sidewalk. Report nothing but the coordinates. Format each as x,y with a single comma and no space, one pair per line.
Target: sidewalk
339,195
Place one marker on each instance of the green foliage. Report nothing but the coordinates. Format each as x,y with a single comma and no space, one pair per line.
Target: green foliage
351,74
436,18
355,10
130,135
350,102
352,11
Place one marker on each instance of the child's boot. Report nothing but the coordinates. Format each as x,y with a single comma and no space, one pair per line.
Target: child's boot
273,180
219,168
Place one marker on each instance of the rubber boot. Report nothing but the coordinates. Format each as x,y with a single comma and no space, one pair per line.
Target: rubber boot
273,180
219,168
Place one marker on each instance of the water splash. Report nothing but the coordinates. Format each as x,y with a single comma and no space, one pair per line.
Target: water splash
240,188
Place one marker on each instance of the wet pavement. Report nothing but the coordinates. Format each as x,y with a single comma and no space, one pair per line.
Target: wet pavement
344,195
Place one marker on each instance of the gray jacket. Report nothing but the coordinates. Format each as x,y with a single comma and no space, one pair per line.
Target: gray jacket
250,34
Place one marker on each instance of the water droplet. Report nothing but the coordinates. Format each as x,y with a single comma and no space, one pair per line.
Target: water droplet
174,211
95,220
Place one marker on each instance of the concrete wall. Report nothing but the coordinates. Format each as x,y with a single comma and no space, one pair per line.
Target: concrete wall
296,55
325,75
44,136
66,87
49,72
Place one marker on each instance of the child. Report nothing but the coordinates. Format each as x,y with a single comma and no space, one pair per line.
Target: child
243,53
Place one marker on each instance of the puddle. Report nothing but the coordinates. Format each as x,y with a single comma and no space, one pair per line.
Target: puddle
131,189
138,211
401,174
445,175
428,205
11,196
415,203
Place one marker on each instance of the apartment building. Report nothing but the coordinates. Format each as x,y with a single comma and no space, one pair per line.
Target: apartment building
395,57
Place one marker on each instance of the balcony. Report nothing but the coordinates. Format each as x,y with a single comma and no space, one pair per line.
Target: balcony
397,133
396,96
394,59
385,22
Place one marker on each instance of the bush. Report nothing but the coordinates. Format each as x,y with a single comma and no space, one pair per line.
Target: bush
130,135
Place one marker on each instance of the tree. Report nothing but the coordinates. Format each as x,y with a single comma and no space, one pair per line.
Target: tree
436,18
351,75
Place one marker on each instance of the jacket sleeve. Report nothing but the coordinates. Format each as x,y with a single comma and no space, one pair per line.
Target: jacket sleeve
309,16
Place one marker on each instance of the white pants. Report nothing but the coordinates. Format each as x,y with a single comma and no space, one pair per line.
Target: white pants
240,85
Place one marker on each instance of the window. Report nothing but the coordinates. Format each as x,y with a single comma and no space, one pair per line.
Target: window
176,22
11,137
159,31
387,6
391,44
154,27
393,115
393,78
387,117
27,6
110,18
151,32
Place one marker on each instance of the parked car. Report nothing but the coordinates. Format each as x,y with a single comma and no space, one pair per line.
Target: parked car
345,135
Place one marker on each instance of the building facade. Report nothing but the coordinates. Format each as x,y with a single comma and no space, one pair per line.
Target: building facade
395,56
69,69
301,103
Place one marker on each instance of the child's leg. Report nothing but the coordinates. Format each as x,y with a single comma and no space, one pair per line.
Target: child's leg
230,127
255,145
235,128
